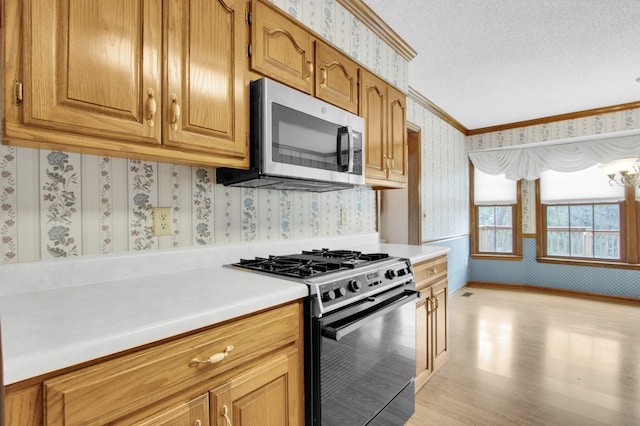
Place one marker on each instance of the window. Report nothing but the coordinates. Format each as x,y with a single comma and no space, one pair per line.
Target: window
495,216
584,218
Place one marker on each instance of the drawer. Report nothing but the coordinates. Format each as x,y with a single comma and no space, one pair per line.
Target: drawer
428,272
103,392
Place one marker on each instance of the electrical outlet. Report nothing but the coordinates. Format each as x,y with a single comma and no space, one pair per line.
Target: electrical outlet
343,216
161,220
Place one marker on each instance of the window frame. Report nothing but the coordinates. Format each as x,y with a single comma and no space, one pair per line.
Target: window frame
629,235
516,224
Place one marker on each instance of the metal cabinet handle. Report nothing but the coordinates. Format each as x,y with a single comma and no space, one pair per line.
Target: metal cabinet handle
213,359
175,112
224,414
437,303
323,82
310,67
197,423
432,271
152,107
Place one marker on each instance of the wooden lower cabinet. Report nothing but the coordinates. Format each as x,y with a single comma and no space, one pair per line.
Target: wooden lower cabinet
256,373
266,395
431,318
189,413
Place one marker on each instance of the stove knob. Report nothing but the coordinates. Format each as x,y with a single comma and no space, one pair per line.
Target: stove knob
328,296
355,285
391,274
341,292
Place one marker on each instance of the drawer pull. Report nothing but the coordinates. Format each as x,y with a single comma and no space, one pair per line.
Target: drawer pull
198,423
213,359
224,414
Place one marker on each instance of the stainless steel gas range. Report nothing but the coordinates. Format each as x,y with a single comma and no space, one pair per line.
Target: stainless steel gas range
359,334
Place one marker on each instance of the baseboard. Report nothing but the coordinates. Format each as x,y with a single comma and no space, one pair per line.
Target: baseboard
555,291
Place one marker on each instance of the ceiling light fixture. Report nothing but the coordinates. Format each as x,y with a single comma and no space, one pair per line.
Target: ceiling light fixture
624,171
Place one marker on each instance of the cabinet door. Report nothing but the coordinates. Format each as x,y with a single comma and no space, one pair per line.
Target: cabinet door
189,413
423,341
94,67
336,78
205,94
266,395
280,49
440,338
373,105
397,135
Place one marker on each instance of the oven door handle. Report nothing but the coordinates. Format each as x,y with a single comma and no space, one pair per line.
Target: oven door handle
337,333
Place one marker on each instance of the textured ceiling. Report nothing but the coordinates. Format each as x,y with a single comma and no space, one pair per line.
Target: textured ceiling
493,62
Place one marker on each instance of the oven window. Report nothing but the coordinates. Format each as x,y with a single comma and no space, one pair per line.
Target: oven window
367,368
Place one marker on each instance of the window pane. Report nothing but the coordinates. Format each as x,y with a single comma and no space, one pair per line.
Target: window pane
558,216
590,231
558,243
503,216
487,240
606,217
486,216
504,241
581,216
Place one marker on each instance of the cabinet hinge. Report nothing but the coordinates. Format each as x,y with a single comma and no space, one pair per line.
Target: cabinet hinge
249,50
17,92
249,18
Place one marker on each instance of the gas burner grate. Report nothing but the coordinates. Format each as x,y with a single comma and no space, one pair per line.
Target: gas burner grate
310,263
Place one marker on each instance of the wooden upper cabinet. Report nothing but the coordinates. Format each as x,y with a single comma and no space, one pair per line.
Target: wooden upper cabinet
153,79
373,106
94,67
204,96
384,109
397,149
336,78
281,49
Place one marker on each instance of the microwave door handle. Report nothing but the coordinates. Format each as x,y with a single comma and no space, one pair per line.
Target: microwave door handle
341,165
351,149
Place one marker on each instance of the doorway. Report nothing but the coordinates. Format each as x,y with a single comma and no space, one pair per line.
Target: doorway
401,209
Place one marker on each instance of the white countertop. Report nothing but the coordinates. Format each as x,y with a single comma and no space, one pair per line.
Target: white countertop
111,303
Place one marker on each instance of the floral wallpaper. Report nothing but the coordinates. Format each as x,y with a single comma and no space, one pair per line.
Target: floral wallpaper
336,25
584,126
444,181
57,204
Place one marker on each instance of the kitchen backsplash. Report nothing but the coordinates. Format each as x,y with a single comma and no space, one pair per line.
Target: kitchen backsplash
58,204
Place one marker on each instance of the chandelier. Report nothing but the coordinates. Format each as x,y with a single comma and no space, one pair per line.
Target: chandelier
624,172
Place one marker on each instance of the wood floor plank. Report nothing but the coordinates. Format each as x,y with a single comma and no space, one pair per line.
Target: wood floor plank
524,358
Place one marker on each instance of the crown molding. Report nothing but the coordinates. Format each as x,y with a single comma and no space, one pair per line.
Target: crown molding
421,100
554,118
371,20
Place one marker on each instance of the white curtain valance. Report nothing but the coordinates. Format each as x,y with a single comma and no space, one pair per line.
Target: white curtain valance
566,155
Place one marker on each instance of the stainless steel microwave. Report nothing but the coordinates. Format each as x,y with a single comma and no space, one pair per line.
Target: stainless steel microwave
298,142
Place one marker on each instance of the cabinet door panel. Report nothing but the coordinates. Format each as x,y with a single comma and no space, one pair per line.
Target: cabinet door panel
266,395
373,104
337,78
204,98
190,413
397,142
280,49
94,67
440,338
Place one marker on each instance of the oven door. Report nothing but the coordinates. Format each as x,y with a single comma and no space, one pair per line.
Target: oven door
367,361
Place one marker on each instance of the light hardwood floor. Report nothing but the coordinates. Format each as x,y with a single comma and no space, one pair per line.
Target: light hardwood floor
524,358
